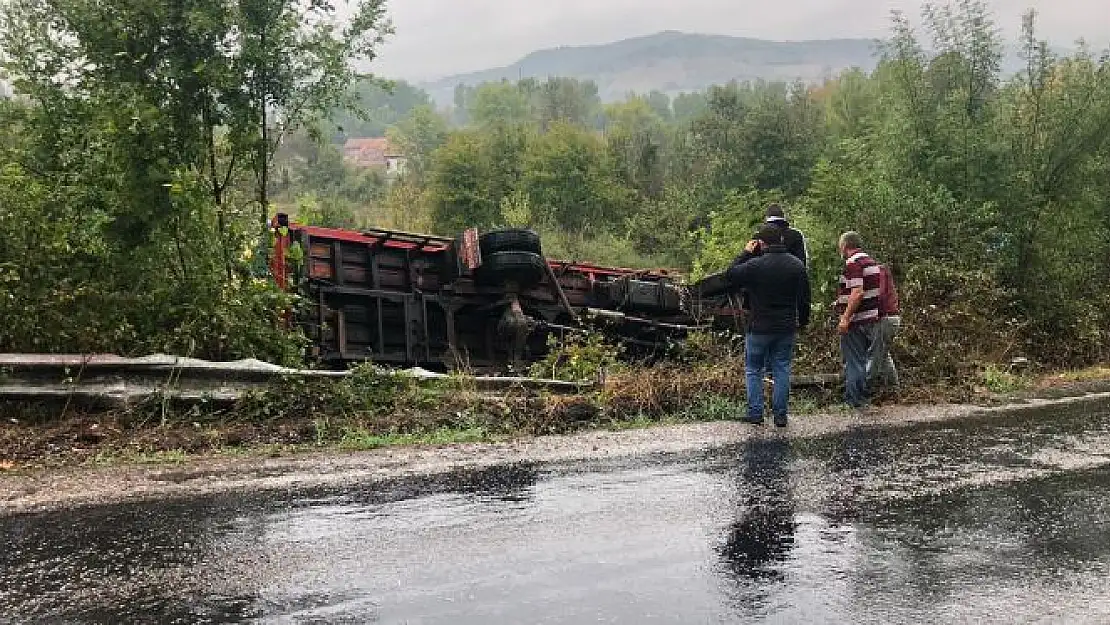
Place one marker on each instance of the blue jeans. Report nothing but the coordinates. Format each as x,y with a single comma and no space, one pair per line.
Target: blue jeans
761,351
855,346
880,365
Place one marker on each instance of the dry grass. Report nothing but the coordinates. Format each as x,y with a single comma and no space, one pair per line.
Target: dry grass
1088,374
670,388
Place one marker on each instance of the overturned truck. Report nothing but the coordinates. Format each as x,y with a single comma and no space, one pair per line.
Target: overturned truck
486,301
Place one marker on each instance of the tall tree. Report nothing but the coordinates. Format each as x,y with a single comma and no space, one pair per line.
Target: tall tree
155,123
214,84
417,137
499,103
571,181
378,106
299,61
766,136
567,100
459,184
637,140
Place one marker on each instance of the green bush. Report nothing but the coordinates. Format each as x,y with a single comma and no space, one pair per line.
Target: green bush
577,358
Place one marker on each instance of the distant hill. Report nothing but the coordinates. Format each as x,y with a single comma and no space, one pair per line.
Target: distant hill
673,62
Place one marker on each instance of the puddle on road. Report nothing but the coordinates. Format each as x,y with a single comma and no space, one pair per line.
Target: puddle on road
993,521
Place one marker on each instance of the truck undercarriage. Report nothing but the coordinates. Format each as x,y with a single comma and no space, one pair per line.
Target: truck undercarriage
477,302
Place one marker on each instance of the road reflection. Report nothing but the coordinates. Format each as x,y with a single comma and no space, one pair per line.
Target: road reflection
762,537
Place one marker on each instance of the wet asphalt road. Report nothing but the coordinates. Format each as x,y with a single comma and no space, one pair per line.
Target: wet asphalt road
1005,520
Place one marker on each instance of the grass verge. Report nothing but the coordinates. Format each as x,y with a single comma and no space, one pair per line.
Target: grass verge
371,410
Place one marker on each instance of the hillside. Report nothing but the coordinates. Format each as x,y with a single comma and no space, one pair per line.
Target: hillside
675,62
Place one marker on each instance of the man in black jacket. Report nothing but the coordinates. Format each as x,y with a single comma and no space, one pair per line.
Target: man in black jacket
792,238
778,289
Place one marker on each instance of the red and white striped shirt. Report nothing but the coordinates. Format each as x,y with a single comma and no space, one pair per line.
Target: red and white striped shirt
860,271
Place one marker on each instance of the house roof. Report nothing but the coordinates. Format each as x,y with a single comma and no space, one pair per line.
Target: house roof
370,150
367,143
376,144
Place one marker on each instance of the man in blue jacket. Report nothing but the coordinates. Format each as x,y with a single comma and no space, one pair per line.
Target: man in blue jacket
778,290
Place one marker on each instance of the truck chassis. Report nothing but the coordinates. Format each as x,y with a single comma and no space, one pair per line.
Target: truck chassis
477,302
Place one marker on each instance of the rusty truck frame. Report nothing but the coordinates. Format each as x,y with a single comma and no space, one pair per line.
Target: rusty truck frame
479,301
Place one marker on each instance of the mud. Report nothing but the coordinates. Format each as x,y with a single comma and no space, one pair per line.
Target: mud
46,489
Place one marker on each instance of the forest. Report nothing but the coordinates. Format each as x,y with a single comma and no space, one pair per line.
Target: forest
147,143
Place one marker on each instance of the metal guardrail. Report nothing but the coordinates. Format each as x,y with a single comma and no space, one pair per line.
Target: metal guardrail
110,381
106,380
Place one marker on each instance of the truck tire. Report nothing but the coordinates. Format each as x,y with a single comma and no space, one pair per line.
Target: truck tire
526,269
509,240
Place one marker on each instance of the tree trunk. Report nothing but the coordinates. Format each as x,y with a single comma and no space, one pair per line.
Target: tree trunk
217,187
264,148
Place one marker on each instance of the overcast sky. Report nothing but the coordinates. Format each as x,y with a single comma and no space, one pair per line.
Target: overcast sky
436,38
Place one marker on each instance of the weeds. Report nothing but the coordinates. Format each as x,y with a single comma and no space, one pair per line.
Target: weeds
126,456
715,408
577,358
1002,382
322,427
364,440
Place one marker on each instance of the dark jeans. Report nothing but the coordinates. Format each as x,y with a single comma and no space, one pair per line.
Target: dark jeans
855,347
777,352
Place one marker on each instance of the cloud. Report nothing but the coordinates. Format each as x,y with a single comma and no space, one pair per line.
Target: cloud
435,38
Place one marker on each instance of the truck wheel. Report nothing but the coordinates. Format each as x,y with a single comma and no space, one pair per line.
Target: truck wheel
509,240
526,269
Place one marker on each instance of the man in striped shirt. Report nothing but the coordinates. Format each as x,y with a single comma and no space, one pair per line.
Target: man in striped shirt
857,302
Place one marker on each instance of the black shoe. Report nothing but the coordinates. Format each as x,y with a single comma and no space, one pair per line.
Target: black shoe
780,423
752,420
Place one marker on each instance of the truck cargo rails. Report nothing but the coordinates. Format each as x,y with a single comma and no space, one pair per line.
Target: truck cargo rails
480,301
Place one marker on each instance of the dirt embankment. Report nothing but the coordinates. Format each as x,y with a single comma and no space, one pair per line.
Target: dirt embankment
47,488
